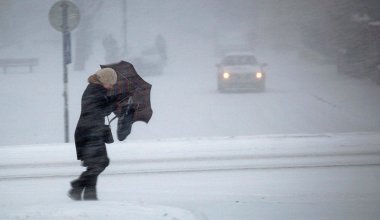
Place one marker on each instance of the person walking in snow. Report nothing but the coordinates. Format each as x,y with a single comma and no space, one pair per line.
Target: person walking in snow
90,133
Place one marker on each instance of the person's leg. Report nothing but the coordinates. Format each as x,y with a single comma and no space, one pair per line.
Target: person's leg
90,177
77,186
90,182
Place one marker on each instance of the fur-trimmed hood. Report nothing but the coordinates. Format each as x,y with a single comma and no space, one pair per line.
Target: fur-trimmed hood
93,79
104,76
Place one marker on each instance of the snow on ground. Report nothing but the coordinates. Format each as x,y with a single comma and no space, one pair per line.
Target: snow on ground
199,154
98,211
303,176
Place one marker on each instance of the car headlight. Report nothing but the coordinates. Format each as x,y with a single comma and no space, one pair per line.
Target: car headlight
226,75
259,75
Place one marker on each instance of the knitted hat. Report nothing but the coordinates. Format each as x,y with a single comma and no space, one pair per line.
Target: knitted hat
106,76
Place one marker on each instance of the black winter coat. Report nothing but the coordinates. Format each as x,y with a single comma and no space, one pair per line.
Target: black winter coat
89,133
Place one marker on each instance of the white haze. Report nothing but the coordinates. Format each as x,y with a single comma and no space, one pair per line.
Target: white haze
307,148
304,95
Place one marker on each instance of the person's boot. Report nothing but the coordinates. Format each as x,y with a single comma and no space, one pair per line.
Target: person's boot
75,193
90,193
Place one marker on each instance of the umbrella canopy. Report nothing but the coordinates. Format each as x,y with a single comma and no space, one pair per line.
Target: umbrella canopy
130,85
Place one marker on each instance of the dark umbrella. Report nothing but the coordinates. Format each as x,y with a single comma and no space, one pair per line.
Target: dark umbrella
131,87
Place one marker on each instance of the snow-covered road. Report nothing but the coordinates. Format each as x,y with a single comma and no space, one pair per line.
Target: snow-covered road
200,154
302,97
303,176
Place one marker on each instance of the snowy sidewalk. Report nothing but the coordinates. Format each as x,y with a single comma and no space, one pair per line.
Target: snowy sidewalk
328,193
199,154
99,210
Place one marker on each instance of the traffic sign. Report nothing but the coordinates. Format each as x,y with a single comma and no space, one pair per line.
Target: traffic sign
64,16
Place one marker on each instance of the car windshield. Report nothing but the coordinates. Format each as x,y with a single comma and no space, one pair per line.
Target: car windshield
239,60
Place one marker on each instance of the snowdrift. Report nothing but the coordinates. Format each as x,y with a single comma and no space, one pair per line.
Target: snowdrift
199,154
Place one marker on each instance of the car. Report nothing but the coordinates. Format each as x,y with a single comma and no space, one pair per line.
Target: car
241,71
